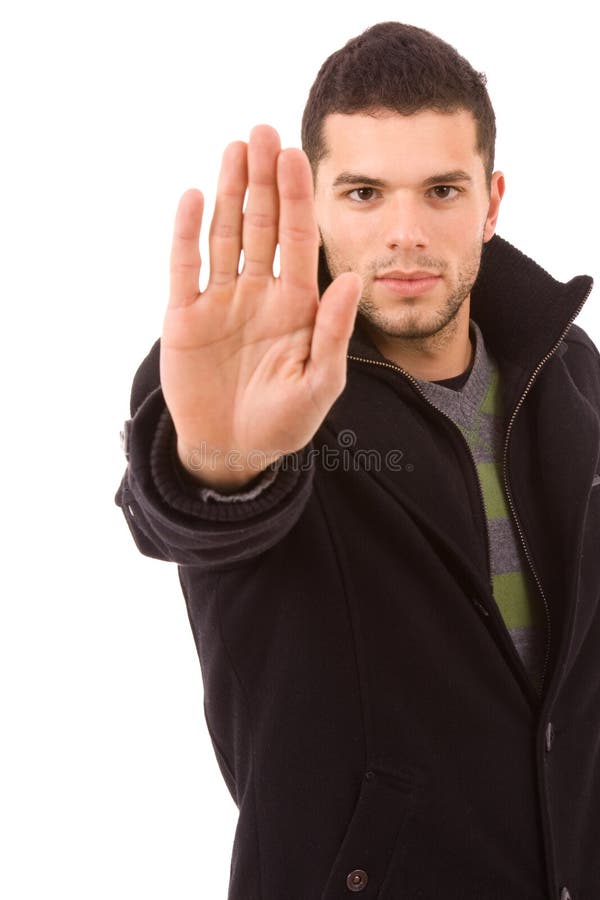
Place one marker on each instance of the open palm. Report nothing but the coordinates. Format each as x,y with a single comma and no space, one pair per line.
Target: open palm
250,366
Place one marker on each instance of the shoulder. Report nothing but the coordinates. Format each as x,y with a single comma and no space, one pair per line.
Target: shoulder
578,340
581,358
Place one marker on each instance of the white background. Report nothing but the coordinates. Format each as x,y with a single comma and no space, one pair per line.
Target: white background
110,788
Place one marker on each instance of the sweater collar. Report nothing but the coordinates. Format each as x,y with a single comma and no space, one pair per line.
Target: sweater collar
522,311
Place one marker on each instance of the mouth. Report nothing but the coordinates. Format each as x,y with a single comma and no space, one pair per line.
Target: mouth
408,284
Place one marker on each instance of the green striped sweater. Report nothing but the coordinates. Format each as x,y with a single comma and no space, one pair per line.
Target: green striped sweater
473,401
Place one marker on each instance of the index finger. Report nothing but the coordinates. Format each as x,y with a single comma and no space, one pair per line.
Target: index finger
298,231
185,250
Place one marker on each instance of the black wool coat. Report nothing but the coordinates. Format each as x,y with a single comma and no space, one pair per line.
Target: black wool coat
369,712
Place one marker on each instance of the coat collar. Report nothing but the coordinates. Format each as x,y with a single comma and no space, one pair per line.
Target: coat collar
522,311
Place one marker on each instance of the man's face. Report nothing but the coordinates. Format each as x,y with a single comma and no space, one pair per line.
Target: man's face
403,201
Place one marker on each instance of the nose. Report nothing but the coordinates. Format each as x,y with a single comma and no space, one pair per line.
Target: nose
404,224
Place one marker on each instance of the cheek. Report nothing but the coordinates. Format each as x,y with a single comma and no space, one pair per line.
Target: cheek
455,225
345,240
460,238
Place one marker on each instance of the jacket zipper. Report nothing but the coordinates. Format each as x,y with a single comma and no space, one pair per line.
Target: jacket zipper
534,375
532,378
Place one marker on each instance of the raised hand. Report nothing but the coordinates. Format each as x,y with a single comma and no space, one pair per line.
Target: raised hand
250,367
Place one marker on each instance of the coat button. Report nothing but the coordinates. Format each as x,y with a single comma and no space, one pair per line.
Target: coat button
479,606
564,894
549,742
357,880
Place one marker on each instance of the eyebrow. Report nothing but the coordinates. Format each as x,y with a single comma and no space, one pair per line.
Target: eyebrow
367,181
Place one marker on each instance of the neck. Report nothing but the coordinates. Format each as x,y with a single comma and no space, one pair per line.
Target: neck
445,354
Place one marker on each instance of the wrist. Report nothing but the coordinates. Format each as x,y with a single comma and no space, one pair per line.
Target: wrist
228,478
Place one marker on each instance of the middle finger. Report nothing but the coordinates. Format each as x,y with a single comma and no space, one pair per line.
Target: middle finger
260,228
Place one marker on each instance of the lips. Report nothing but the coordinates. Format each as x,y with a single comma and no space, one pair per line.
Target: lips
408,284
407,276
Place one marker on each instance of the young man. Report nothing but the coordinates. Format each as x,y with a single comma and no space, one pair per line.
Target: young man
378,474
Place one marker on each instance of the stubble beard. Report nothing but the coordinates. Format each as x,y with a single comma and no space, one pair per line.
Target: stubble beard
410,324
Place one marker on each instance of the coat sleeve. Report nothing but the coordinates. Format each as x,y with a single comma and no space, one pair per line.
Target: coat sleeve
172,519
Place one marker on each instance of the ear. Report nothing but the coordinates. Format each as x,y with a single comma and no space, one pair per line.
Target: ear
496,193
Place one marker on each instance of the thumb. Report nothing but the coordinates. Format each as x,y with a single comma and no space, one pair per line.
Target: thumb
333,327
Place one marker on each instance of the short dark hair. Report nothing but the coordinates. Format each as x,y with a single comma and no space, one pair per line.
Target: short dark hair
403,69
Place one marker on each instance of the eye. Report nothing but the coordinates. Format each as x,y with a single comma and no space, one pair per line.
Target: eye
442,192
361,195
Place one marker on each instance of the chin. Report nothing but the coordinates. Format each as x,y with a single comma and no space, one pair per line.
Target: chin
411,322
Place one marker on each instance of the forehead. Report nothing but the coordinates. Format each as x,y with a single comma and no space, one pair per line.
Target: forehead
427,141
